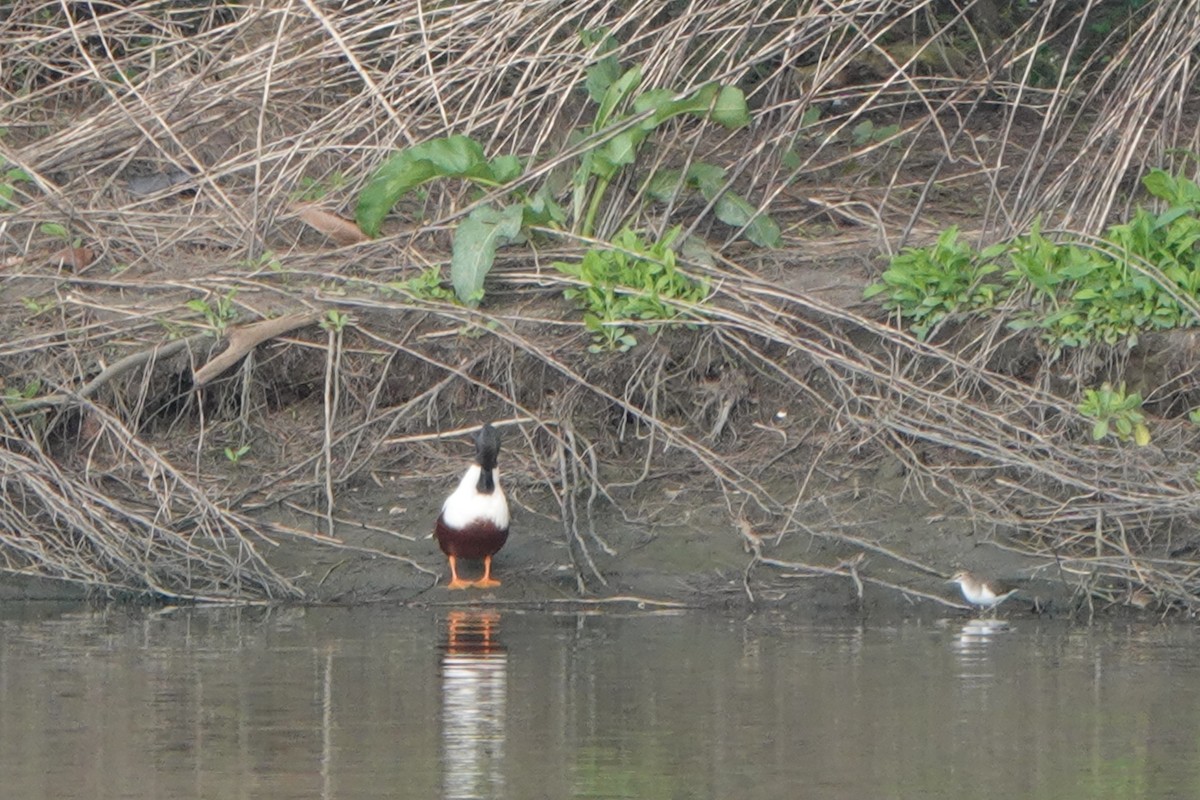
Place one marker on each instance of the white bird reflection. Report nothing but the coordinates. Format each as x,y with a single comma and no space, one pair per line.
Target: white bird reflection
972,645
474,693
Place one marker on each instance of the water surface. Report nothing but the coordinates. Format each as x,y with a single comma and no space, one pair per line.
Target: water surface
334,703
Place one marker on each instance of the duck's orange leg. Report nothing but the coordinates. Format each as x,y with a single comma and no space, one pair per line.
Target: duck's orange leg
455,581
487,581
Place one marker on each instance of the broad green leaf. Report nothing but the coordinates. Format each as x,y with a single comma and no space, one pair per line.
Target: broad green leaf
665,184
615,94
622,148
709,178
733,210
1160,184
475,244
454,156
53,229
655,99
730,109
1170,215
505,169
995,251
696,250
600,76
665,105
542,209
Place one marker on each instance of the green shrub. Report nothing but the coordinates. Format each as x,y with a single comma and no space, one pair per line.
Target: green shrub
630,284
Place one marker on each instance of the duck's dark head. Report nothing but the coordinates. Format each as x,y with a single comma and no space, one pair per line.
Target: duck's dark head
487,447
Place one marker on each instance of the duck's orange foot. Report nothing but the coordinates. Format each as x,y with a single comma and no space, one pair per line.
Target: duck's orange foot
455,581
486,583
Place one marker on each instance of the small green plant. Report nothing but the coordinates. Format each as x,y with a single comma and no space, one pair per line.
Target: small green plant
234,454
926,285
1115,412
56,231
38,305
634,283
9,178
865,132
27,392
334,321
312,190
219,314
265,260
425,286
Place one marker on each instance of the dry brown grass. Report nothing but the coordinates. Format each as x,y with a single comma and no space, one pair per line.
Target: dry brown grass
114,471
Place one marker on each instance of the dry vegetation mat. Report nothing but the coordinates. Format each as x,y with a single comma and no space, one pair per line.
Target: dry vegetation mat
256,254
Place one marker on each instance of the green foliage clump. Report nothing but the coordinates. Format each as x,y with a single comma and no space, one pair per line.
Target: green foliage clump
633,282
1144,274
219,314
928,284
1115,413
425,286
9,178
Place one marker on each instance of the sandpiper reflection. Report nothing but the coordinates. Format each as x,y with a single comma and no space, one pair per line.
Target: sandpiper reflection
474,691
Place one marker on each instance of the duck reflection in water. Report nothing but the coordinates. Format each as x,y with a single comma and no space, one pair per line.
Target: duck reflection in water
474,692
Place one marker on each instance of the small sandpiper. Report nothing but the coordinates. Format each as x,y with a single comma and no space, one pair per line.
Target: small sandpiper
983,593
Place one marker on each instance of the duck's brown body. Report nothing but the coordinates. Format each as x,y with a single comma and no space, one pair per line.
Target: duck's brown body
474,519
480,539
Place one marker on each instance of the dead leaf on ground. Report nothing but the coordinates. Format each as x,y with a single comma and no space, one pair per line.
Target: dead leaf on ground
73,258
341,230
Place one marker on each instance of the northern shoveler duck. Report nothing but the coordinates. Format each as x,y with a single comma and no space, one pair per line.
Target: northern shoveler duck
474,519
979,592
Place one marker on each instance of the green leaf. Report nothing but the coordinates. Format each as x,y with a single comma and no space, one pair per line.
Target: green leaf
542,209
621,149
505,169
1160,184
665,105
53,229
475,244
1141,435
600,76
1099,430
454,156
733,210
708,177
730,109
874,289
995,251
656,99
615,94
861,133
664,184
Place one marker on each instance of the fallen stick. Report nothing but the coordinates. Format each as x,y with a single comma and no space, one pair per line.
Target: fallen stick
119,367
244,338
